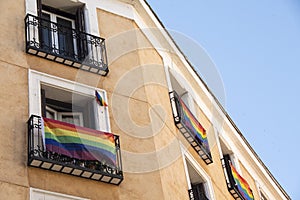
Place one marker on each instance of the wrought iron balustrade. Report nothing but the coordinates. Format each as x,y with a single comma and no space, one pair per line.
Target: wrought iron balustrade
65,45
237,186
40,157
190,127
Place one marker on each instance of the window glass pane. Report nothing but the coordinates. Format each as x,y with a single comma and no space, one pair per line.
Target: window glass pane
70,107
65,37
45,32
50,115
72,118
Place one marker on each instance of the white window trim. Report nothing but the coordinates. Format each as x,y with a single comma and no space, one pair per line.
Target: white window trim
53,111
35,190
37,78
208,183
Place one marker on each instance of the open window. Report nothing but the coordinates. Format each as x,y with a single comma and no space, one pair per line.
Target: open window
199,186
58,33
236,184
186,121
59,20
182,93
199,183
263,196
227,152
69,131
67,106
67,101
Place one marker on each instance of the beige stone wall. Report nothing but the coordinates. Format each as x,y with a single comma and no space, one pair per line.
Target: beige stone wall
14,103
135,63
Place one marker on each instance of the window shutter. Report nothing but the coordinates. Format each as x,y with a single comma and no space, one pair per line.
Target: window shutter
82,40
39,7
43,102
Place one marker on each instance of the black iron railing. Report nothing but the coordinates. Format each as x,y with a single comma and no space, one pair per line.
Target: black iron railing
232,185
190,127
39,157
200,196
65,45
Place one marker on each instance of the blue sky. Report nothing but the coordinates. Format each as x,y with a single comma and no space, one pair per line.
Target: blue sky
255,46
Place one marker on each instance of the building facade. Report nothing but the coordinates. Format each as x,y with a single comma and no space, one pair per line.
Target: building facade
98,102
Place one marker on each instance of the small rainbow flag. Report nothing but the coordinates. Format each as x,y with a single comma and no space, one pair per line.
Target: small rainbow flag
79,142
194,126
241,184
99,99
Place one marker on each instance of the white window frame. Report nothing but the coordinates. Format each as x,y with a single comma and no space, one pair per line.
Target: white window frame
36,79
53,111
207,180
233,157
44,194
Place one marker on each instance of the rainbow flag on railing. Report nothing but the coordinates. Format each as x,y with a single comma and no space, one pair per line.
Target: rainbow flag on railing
194,126
241,184
79,142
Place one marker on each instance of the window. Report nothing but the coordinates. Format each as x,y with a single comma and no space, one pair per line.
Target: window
60,41
227,152
185,119
68,106
66,101
237,186
56,30
37,194
59,22
199,183
262,196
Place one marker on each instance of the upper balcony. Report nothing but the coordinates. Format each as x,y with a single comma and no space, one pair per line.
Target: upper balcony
60,42
74,150
189,126
236,184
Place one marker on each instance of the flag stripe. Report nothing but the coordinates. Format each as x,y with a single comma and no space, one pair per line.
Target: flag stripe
71,127
242,184
79,142
57,134
76,151
190,121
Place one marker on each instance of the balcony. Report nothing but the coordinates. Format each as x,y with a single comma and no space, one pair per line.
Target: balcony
65,45
189,126
74,150
236,184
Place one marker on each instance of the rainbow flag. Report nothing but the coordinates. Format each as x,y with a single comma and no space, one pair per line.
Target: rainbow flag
241,184
99,99
79,142
194,126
